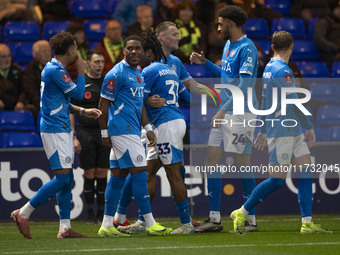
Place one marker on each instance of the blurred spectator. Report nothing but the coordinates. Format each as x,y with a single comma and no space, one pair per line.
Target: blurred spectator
125,11
78,31
31,78
111,45
327,37
15,10
206,11
166,11
308,9
256,9
192,32
55,10
215,41
12,96
144,21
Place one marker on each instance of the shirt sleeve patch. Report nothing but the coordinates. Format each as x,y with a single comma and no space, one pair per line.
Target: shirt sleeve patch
288,79
110,84
66,78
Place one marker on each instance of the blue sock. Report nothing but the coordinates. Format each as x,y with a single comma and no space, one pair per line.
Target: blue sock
183,172
263,190
305,193
50,189
64,199
140,192
248,185
183,211
112,194
126,197
214,190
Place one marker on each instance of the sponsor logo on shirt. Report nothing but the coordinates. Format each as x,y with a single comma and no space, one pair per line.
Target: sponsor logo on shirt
110,84
66,78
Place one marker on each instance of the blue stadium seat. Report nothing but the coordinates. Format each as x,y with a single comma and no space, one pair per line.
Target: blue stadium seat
305,50
21,31
311,24
16,120
336,70
325,92
328,115
199,136
265,45
334,133
321,133
37,125
94,29
295,26
53,27
198,71
281,6
255,28
21,51
313,69
90,9
19,140
111,5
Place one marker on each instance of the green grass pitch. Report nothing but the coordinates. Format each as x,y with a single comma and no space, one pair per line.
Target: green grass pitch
278,235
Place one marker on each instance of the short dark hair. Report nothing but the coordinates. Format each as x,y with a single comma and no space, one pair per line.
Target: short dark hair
282,40
94,51
61,42
75,27
150,41
234,13
132,38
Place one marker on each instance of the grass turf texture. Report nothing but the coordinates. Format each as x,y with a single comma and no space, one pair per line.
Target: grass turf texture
278,235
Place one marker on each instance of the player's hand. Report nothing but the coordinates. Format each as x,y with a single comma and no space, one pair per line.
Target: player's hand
216,120
76,145
81,66
107,142
19,106
92,113
198,59
310,138
152,138
155,101
260,141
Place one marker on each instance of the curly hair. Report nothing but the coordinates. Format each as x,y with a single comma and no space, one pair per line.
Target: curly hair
150,41
61,42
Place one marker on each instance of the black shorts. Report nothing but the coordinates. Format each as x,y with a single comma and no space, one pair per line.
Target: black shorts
93,154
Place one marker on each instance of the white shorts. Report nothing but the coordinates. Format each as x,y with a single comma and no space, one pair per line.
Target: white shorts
127,152
283,149
235,135
169,148
59,149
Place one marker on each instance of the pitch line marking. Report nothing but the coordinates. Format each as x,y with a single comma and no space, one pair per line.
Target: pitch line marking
173,247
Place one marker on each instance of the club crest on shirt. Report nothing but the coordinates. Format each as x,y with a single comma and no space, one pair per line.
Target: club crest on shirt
110,84
66,78
139,158
174,67
232,53
288,79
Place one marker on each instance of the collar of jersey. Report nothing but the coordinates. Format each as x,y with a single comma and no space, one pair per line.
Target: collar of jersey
57,62
241,38
278,58
125,63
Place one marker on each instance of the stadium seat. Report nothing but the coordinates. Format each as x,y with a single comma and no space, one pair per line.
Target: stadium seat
199,136
21,51
17,120
311,24
198,71
111,5
90,9
334,133
328,115
323,91
295,26
94,29
37,124
321,134
255,28
21,31
19,140
305,50
313,69
265,45
53,27
281,6
336,70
